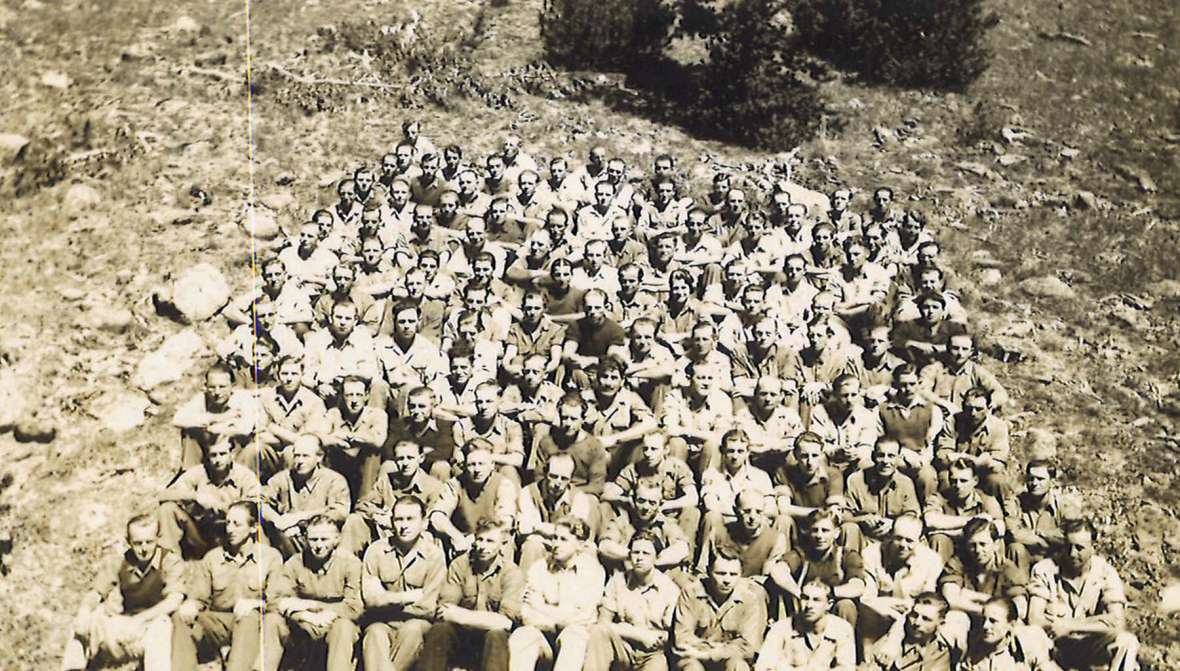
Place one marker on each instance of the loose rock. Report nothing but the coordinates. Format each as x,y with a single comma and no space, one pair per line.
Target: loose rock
80,197
12,146
110,318
278,201
35,429
170,362
55,80
1048,286
261,223
121,411
199,293
990,277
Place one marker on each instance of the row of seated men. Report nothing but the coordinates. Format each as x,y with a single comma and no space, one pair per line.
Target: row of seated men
771,415
534,582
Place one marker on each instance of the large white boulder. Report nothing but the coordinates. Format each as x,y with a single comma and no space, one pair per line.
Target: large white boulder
200,292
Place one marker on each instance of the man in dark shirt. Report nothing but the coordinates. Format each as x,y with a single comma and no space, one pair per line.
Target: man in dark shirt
590,337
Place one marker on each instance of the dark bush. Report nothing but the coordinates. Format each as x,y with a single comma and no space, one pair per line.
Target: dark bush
605,34
752,90
920,43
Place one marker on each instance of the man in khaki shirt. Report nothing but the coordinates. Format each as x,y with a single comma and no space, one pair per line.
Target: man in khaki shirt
402,578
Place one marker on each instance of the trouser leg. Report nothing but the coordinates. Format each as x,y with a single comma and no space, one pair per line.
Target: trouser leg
376,647
244,643
436,646
275,633
525,646
341,641
156,643
495,651
571,648
408,643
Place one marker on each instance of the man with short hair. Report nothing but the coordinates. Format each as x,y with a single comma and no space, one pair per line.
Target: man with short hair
407,357
635,618
720,485
592,336
534,332
617,416
957,371
400,585
549,498
720,620
292,304
980,571
770,420
419,424
476,492
675,478
479,604
149,581
881,493
354,434
897,570
193,508
227,596
503,434
1035,516
924,639
217,413
960,502
916,424
812,638
561,598
695,418
343,288
644,516
848,428
309,262
340,350
316,597
569,436
977,435
400,476
1079,598
761,545
295,495
999,641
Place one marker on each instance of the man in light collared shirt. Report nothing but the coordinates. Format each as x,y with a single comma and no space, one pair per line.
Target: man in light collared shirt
561,599
193,509
294,496
813,638
635,618
720,620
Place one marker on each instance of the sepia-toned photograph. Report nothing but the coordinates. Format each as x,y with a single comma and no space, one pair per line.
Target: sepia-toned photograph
615,335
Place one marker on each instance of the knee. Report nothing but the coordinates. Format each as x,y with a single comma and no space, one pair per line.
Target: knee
847,610
1125,642
441,470
376,634
574,634
344,631
413,629
736,664
689,665
523,637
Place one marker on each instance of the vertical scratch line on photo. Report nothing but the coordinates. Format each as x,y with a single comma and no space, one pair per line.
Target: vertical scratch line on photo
250,205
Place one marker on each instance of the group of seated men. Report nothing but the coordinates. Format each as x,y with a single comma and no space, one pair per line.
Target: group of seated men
503,417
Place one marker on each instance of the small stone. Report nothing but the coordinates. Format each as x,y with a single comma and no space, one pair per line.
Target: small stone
1048,286
1086,200
261,223
55,80
72,293
111,319
279,200
1069,153
990,277
170,361
34,429
80,197
285,179
883,136
12,146
1008,160
122,410
186,24
199,293
1042,444
1170,599
174,215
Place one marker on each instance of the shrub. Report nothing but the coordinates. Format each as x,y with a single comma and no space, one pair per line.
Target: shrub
605,34
751,90
920,43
